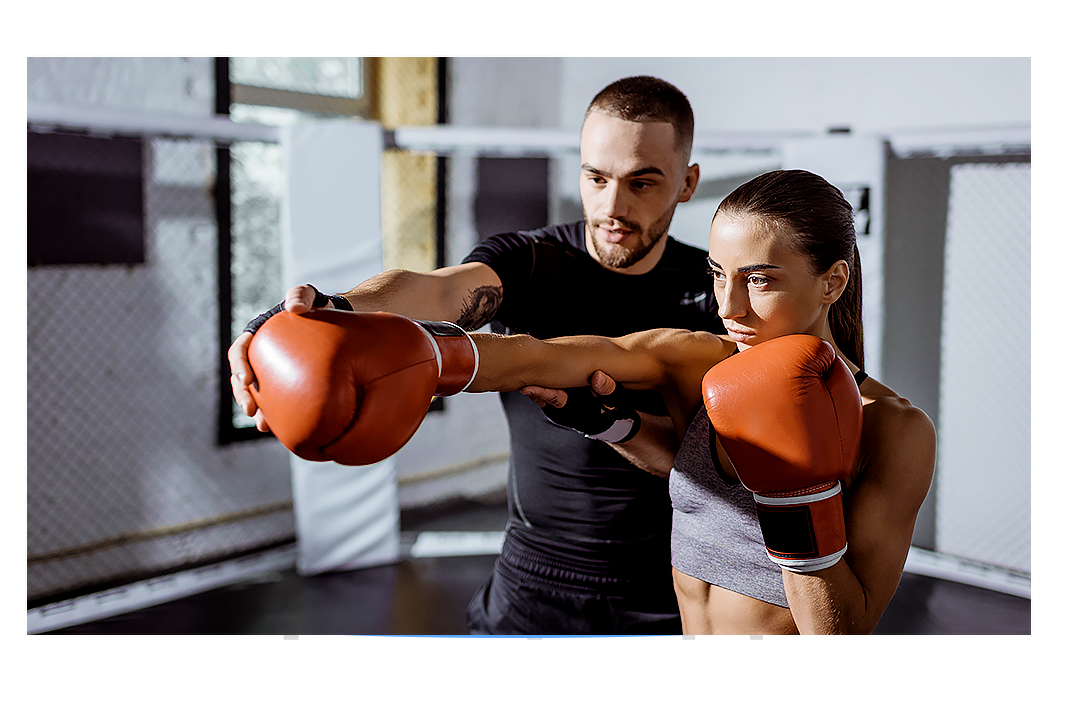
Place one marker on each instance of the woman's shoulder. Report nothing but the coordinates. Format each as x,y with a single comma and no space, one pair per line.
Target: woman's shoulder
894,428
885,408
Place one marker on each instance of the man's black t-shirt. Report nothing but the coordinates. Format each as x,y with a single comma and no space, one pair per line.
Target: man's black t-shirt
569,496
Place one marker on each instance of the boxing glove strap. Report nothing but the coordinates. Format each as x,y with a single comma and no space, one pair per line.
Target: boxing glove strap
455,354
804,529
799,496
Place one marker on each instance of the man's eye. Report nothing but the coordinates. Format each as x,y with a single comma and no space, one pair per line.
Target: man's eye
758,281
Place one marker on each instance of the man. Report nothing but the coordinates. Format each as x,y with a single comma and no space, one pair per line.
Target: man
587,544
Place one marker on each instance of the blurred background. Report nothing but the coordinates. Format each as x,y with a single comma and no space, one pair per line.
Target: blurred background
164,207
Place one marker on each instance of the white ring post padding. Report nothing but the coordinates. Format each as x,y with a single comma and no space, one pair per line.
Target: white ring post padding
346,517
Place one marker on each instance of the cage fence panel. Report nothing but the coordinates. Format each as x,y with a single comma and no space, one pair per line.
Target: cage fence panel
125,477
984,470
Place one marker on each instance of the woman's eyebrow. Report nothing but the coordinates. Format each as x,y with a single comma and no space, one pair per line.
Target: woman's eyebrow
746,269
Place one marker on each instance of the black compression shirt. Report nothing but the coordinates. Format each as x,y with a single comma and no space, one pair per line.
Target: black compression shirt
570,496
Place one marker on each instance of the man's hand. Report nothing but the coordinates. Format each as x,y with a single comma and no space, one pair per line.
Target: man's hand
652,448
598,411
601,383
298,299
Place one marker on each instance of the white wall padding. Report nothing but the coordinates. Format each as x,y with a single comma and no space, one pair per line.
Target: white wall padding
346,517
984,426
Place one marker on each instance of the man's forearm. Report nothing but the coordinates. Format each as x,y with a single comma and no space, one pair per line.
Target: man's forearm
467,295
414,295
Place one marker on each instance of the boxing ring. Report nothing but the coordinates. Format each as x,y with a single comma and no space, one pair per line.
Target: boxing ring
347,517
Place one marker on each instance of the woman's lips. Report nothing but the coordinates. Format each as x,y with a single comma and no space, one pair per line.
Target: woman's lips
738,335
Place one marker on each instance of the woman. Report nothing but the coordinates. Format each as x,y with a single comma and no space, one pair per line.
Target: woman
784,261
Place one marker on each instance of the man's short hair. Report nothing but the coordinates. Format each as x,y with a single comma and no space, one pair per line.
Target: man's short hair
648,99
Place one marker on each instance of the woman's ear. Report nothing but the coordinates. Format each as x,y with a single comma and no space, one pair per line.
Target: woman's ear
835,281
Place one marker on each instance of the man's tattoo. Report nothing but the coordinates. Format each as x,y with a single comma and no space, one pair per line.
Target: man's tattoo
479,307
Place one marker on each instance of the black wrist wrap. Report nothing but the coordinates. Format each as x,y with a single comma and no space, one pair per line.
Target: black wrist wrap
339,302
258,320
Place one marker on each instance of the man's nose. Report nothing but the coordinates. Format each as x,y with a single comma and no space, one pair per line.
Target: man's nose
615,203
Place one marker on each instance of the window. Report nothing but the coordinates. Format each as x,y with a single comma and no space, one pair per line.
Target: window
251,181
276,91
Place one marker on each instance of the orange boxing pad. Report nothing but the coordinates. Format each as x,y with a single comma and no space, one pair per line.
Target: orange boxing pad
340,386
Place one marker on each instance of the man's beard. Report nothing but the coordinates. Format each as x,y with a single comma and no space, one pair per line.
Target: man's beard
616,255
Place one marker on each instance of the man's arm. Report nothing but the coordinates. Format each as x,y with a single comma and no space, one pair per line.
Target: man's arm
880,512
468,294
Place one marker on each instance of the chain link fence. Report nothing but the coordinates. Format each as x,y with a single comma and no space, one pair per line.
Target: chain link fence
957,280
125,476
127,473
984,468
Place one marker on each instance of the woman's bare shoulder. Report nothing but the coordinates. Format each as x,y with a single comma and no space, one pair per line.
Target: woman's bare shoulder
897,430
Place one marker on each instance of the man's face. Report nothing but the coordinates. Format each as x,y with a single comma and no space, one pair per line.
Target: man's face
632,178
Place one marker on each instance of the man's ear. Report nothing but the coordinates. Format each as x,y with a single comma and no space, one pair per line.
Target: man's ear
690,182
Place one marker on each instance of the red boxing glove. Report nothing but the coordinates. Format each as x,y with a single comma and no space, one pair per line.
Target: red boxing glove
789,415
354,387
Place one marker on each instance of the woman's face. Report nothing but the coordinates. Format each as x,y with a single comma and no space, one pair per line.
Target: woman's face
764,287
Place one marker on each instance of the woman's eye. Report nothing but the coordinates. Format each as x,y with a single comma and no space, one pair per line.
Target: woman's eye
758,281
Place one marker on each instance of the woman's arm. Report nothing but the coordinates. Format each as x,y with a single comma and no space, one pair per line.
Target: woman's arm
667,360
892,481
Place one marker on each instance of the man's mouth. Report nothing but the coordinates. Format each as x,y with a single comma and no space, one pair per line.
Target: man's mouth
614,234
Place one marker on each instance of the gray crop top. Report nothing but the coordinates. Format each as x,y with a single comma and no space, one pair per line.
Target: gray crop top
715,535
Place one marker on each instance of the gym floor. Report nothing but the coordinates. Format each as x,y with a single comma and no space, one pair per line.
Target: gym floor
428,596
